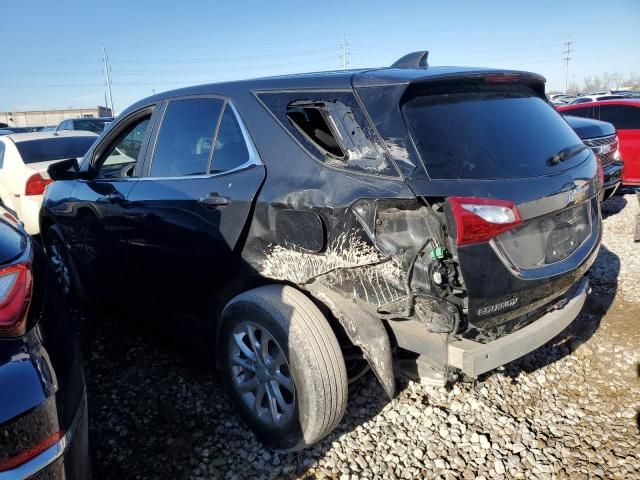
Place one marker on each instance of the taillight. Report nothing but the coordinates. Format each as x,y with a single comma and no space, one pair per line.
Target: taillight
22,458
481,219
36,184
616,150
15,296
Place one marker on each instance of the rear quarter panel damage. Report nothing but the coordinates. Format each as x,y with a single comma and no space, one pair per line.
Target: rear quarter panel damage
349,274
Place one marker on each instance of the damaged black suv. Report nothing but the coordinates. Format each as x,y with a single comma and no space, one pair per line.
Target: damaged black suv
302,226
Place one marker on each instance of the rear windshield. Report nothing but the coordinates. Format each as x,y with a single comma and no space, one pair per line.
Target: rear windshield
57,148
488,134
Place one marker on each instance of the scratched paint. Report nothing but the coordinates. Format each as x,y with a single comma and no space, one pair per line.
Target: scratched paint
346,252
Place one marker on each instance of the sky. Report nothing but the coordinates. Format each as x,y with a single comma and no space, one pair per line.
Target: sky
52,51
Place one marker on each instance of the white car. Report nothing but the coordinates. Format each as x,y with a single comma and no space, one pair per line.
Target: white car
24,159
594,98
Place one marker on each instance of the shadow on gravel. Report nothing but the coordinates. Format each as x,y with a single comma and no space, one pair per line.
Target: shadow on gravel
613,205
603,281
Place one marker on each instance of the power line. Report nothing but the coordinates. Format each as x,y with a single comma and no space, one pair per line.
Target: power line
143,58
567,57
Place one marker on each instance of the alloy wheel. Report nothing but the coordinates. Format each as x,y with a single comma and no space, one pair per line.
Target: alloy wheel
260,374
59,262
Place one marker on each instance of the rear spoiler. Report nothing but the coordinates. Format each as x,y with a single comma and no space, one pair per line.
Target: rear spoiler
405,72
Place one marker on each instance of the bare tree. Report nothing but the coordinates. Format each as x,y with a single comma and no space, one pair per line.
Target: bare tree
632,82
611,81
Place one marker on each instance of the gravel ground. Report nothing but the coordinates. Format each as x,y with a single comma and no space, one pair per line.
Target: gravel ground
567,410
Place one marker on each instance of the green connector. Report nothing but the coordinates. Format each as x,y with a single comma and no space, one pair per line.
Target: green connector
438,253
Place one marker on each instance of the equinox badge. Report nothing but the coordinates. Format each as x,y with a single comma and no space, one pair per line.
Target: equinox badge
497,307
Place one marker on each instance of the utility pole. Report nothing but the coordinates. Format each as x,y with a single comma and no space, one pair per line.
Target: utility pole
567,52
107,78
344,52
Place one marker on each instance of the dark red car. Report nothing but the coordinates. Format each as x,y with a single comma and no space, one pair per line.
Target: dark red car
625,116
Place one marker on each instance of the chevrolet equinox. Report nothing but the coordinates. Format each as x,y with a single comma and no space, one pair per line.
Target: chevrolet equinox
303,228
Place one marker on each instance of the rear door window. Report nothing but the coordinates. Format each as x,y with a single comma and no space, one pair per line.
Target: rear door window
185,139
488,134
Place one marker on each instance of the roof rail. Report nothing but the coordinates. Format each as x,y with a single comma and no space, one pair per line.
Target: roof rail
413,60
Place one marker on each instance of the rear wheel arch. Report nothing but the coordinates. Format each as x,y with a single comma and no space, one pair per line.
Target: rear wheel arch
51,233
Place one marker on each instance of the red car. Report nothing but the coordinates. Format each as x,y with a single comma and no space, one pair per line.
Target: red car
625,116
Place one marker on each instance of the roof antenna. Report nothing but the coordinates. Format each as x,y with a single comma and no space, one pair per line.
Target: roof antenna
413,60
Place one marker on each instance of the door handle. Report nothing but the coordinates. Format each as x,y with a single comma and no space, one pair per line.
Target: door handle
214,200
113,197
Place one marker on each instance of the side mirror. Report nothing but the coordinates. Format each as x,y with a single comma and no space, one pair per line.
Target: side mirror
64,170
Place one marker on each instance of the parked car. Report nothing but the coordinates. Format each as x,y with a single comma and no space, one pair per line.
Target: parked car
442,213
625,116
24,158
19,129
601,138
560,99
95,125
594,98
43,410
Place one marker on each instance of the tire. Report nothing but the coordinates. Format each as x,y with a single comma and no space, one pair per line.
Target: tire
312,380
61,260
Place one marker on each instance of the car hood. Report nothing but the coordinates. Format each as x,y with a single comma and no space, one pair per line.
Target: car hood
588,128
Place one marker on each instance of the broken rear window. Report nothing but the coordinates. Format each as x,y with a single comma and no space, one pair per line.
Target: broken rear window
332,127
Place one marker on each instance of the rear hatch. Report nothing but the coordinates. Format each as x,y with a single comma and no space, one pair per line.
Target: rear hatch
519,187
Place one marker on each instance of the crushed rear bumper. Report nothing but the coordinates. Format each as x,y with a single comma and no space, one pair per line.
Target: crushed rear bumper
474,358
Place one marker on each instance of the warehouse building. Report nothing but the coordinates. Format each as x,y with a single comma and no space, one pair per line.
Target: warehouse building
39,118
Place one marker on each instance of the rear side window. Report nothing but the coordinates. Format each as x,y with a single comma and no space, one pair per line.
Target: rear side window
1,155
621,116
185,139
332,127
488,133
56,148
231,150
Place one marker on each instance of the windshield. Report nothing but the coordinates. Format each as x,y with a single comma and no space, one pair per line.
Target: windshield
56,148
488,134
91,125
